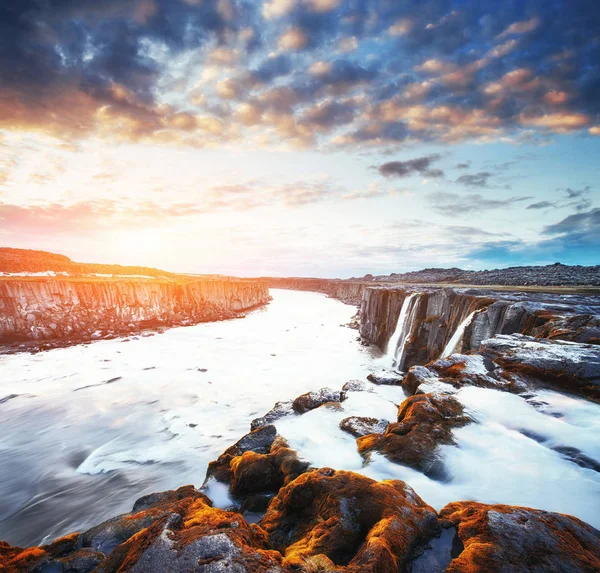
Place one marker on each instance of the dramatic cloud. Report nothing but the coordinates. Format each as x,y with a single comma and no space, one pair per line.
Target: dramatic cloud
419,165
185,72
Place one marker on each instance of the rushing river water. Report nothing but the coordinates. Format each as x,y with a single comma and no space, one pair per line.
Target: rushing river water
86,430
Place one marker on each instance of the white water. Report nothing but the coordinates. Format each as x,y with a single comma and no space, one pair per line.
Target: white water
94,427
406,318
457,336
496,460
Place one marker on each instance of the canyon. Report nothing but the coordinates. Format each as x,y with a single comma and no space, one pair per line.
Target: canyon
458,394
46,312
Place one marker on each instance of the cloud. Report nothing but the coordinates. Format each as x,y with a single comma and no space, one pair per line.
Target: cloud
587,223
142,70
542,205
419,165
452,204
475,179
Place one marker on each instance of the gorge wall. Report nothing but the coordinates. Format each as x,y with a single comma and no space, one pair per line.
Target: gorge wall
82,309
347,291
437,321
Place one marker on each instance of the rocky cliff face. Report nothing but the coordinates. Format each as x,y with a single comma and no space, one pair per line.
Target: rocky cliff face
346,291
76,310
471,316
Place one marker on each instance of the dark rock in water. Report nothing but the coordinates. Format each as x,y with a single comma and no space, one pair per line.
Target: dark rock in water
312,400
386,379
280,410
260,463
259,441
355,386
361,426
500,538
360,525
424,422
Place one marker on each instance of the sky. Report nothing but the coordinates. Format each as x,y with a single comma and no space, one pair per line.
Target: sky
302,137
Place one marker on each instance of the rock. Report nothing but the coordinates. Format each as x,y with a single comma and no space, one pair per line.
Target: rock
361,426
195,537
280,410
502,538
259,441
106,536
312,400
416,376
425,421
359,525
261,469
570,366
355,386
385,378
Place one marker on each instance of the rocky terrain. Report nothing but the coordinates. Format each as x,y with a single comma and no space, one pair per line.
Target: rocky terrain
43,313
424,323
286,516
540,276
25,261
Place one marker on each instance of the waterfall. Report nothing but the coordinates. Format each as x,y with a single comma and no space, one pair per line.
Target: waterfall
457,337
395,347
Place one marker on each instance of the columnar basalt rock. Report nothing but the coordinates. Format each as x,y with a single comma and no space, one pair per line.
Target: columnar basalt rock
84,309
439,312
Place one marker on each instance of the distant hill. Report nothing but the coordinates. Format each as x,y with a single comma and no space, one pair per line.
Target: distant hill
31,261
549,275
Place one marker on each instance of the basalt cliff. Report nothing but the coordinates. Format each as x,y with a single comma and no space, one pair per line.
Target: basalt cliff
55,311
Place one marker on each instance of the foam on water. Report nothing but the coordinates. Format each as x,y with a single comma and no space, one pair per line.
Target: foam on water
495,460
151,412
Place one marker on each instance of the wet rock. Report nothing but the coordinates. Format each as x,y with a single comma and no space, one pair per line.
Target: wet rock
259,441
312,400
425,421
569,366
280,410
361,426
195,537
106,536
502,538
355,386
385,378
261,469
358,524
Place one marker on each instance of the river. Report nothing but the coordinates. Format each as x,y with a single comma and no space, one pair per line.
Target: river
86,430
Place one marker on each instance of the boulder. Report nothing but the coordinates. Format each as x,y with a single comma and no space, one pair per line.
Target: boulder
358,524
311,400
280,410
425,421
361,426
503,538
385,378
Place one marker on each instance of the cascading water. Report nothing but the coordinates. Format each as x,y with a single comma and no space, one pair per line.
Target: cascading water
395,347
457,337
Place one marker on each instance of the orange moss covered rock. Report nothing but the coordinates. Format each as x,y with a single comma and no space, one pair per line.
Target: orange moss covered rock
359,524
260,463
503,538
424,422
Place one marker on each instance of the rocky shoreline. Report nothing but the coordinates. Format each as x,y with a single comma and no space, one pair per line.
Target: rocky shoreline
49,313
287,516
